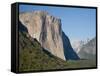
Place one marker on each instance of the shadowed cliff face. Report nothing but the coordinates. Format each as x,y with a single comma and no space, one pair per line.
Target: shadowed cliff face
22,28
47,30
69,53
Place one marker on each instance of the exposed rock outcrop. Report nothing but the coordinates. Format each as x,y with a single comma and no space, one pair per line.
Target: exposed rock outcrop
47,30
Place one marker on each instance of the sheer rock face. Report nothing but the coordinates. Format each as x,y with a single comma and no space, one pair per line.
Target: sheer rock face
46,29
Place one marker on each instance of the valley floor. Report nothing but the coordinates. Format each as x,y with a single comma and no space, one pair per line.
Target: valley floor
80,64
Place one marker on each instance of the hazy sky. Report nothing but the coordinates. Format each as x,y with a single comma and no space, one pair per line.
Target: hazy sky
77,23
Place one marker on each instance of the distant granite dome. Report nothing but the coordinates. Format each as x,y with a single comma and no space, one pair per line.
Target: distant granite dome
47,30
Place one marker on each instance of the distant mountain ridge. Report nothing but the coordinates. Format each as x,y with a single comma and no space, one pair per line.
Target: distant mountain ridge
48,32
88,51
77,44
85,49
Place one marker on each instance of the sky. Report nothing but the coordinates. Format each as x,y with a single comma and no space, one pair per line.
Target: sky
77,23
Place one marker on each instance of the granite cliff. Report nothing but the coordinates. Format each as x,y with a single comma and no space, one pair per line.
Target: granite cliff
48,32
